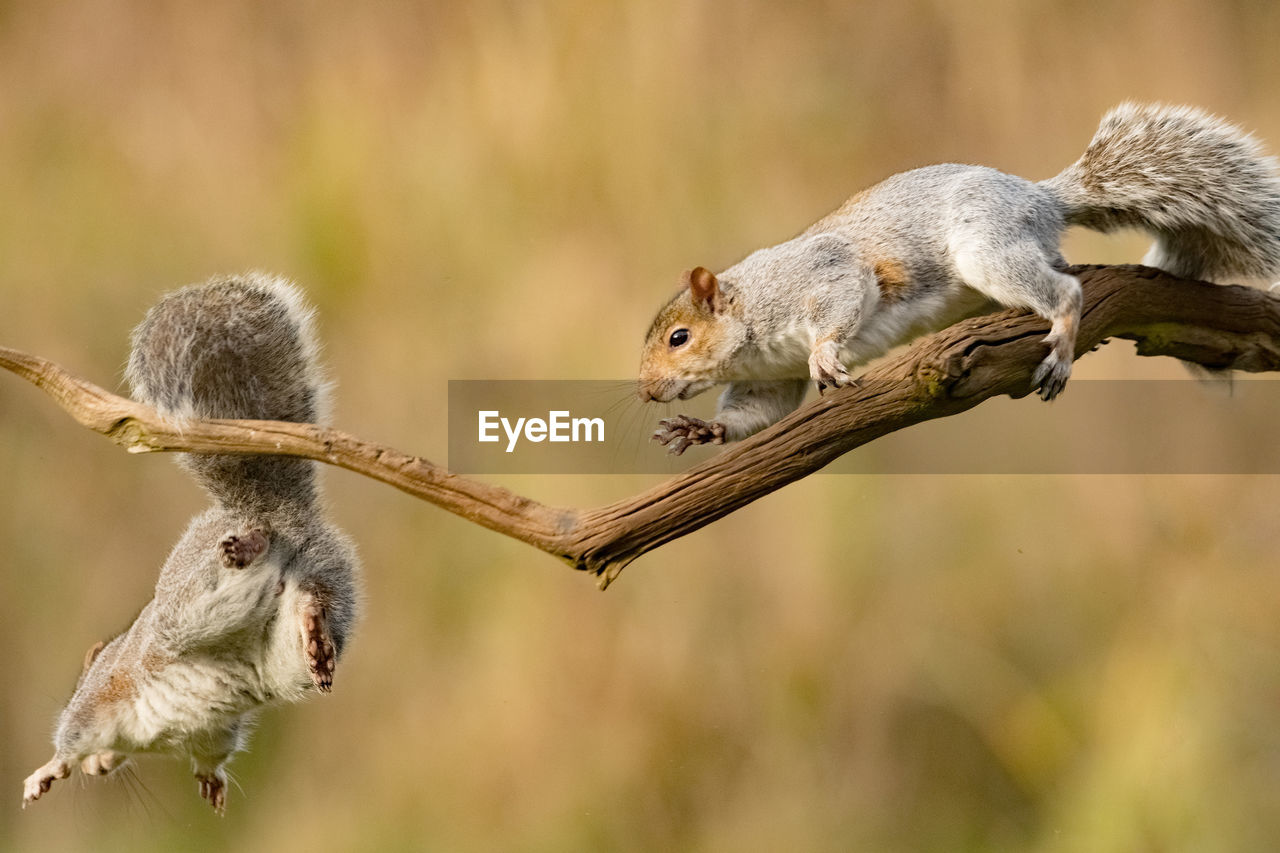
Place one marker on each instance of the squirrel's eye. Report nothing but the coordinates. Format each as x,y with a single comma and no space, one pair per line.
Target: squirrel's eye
679,338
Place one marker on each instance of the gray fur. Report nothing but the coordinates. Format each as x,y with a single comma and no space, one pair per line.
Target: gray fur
227,631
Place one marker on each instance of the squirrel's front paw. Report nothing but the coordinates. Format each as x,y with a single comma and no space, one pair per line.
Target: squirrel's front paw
682,431
40,781
826,368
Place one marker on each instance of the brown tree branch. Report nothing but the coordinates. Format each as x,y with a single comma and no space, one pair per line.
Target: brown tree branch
943,374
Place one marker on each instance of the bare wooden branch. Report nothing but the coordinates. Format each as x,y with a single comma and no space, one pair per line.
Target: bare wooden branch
943,374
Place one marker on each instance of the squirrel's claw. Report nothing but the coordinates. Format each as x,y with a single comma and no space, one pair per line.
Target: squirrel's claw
850,382
682,432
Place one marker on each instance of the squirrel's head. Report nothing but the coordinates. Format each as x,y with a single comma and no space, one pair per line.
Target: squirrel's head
691,342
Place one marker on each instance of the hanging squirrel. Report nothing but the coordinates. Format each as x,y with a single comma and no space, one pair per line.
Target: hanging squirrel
931,246
258,598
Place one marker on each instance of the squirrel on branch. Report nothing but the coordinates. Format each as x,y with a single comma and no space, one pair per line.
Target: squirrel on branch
258,598
931,246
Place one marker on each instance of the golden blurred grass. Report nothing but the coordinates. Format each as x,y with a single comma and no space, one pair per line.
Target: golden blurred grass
507,190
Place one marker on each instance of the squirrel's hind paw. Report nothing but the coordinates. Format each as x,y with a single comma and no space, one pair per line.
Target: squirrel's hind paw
318,645
39,782
240,551
682,432
1051,376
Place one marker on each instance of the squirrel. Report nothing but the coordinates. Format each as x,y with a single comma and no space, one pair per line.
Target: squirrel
931,246
258,599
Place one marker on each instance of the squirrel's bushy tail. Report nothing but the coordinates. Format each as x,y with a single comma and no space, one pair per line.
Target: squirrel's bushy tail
1202,186
235,347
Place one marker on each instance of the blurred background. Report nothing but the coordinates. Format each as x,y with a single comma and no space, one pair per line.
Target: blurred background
509,190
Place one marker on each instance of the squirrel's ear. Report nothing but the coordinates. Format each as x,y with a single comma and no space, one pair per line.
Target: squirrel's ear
703,288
